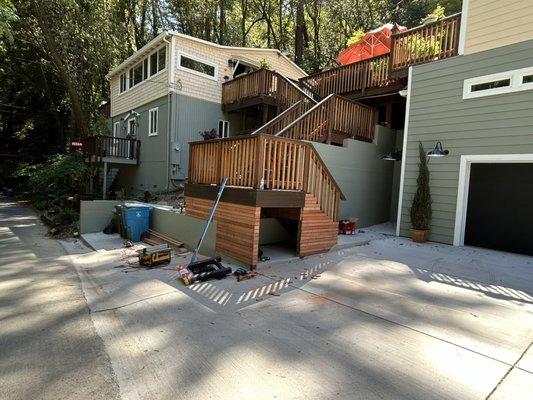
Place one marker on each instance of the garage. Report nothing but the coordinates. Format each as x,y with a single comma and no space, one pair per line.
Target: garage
499,212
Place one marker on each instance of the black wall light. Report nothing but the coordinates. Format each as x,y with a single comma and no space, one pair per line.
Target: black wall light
438,151
393,156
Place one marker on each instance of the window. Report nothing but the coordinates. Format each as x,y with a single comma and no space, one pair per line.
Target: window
527,79
153,64
132,127
140,72
223,129
500,83
161,58
116,129
197,67
123,81
152,122
490,85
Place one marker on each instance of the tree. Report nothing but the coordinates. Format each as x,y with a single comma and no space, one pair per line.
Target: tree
7,16
421,206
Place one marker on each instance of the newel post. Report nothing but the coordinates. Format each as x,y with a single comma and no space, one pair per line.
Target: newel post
259,169
395,30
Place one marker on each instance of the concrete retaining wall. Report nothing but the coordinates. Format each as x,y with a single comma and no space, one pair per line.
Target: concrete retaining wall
96,214
184,228
365,179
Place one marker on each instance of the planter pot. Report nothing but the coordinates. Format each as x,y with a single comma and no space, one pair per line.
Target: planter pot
419,235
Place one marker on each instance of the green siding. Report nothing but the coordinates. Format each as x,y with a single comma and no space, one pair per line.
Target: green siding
500,124
191,116
151,173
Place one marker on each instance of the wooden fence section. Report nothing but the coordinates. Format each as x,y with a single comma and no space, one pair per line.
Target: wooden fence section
337,116
265,162
358,76
110,146
425,43
263,82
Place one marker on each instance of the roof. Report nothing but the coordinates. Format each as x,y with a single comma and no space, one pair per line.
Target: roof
155,42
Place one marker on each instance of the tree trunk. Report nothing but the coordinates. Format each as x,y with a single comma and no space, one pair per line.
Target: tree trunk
300,33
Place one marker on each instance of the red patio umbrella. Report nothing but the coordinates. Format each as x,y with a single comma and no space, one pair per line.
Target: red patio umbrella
375,43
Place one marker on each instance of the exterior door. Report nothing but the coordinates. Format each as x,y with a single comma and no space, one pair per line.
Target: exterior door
500,207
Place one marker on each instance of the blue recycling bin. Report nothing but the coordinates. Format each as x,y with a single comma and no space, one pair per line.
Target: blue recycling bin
136,221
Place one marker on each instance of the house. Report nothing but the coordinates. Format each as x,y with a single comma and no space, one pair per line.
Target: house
479,105
163,96
300,151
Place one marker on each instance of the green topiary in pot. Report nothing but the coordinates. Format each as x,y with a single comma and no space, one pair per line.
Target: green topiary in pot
421,206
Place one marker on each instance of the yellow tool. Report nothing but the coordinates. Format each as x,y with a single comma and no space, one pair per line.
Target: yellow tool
154,255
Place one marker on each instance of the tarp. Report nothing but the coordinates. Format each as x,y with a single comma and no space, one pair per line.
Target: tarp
375,43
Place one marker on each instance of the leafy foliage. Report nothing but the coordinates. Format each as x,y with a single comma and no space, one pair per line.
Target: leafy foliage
421,206
357,36
7,16
53,182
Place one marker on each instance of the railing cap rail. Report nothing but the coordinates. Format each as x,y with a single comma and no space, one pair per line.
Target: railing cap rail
257,71
420,27
368,60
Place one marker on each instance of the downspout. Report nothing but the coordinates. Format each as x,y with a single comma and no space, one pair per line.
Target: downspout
169,106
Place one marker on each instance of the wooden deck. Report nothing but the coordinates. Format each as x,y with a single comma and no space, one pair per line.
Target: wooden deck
384,74
110,149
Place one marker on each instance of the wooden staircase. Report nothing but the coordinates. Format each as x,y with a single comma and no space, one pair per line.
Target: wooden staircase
318,232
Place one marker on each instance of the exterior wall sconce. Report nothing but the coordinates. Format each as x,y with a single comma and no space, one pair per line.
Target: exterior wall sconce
393,156
438,151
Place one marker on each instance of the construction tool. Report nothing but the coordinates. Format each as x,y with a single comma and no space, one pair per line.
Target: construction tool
154,255
210,268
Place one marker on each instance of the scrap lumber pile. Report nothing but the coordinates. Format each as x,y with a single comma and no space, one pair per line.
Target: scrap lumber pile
154,238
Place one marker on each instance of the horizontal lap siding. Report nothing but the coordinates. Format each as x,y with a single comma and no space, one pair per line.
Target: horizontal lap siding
495,23
237,227
501,124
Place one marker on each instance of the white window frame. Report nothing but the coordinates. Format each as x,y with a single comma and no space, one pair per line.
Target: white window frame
116,129
152,132
194,72
127,70
128,129
225,124
464,185
515,76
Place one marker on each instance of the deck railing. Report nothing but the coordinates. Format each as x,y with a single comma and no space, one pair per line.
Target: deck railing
265,162
370,73
334,115
418,45
110,146
425,43
265,83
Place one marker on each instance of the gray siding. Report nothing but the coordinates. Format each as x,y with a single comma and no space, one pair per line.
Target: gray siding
192,116
151,173
500,124
364,178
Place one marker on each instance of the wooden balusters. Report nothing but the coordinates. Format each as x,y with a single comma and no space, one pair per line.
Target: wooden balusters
265,162
425,43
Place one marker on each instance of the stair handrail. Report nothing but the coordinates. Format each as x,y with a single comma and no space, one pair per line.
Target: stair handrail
276,118
316,106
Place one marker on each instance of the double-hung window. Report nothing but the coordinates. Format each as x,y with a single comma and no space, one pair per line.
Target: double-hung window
223,129
152,121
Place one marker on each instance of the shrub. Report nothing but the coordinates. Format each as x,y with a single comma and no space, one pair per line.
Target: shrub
208,135
421,206
65,216
51,183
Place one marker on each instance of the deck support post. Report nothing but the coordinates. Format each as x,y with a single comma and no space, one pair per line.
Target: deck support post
104,181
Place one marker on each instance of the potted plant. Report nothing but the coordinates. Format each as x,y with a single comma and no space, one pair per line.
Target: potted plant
421,206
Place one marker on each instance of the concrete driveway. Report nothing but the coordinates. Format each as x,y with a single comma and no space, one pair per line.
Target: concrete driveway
388,320
49,348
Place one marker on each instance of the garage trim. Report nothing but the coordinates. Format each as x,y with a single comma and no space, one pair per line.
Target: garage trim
464,184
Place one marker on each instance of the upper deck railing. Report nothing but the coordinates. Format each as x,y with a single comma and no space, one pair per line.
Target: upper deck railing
265,83
415,46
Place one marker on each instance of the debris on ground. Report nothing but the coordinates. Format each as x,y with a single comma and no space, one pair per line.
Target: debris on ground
242,274
154,238
275,293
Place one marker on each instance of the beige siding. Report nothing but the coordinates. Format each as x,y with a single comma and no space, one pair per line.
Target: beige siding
191,84
495,23
211,90
147,91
